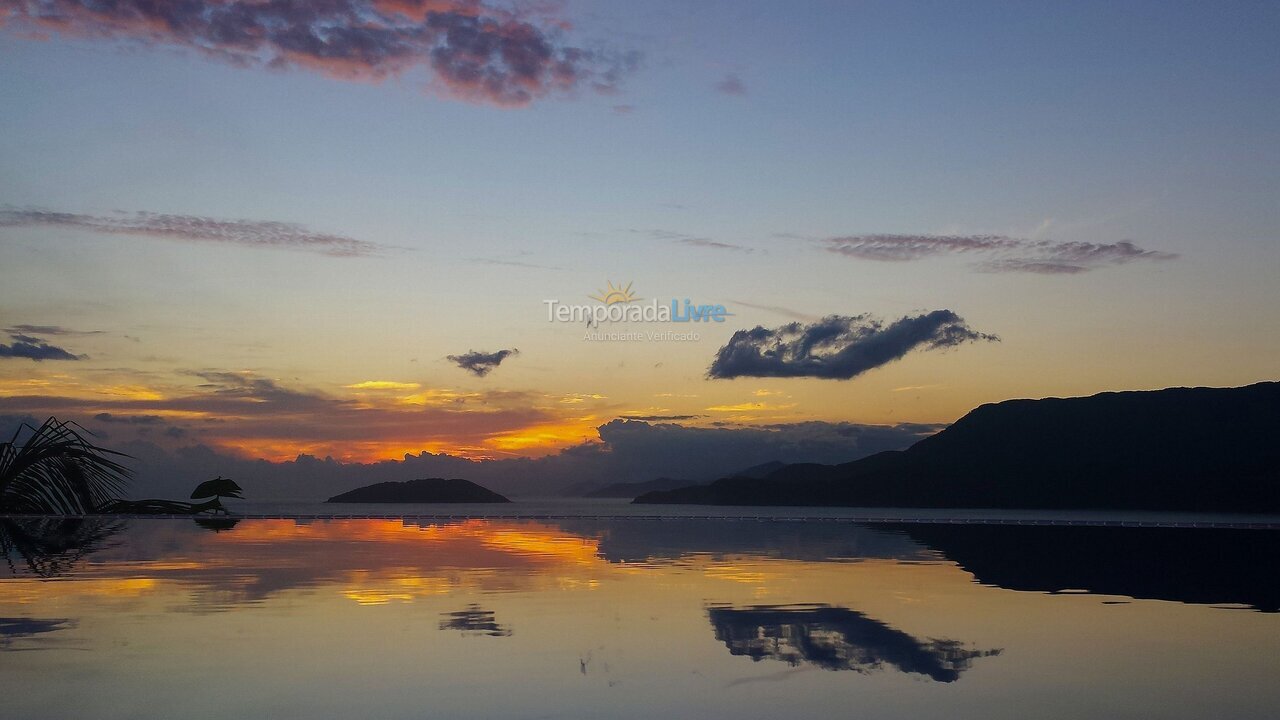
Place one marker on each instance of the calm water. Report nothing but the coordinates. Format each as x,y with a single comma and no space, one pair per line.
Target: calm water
586,618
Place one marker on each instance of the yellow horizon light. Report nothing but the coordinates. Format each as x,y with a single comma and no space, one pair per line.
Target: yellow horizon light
383,385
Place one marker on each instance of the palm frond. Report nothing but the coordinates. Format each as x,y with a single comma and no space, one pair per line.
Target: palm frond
58,472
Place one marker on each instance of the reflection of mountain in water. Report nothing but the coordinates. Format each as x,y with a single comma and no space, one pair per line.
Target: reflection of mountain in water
836,638
475,620
50,547
1183,565
641,540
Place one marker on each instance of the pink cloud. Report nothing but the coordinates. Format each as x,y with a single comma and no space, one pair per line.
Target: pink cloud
473,51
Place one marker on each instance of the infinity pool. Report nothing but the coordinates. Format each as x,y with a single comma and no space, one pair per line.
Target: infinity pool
583,618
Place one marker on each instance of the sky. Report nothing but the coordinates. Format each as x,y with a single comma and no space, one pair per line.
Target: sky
266,229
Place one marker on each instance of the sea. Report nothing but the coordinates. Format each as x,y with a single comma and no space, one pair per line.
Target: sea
554,608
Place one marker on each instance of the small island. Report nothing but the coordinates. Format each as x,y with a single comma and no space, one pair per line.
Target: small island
426,490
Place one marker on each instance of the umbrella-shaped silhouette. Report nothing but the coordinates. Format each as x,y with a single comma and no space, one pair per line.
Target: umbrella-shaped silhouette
217,489
214,489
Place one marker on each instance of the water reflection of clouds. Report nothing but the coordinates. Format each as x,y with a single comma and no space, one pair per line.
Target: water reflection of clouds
367,561
837,638
513,600
386,561
28,633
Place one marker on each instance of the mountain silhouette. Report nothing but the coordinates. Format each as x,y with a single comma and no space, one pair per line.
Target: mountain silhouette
1183,449
632,489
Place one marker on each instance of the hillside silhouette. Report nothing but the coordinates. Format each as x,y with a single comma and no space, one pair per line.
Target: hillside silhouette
1180,449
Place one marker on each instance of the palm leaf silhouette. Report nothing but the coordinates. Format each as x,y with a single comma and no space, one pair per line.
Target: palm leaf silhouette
57,471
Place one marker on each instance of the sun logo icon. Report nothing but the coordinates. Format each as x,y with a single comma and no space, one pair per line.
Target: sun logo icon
615,294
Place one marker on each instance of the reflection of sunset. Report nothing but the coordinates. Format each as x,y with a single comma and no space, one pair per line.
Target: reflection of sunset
537,541
369,588
647,608
754,577
31,592
380,561
568,548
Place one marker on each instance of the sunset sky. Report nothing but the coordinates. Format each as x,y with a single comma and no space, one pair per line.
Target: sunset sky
275,228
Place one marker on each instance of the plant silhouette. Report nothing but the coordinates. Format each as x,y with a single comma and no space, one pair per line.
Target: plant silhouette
214,489
57,471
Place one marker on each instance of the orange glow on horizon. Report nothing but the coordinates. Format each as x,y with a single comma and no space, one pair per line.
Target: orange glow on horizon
544,439
536,440
343,451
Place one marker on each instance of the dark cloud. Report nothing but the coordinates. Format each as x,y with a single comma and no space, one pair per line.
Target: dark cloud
107,417
731,85
714,244
1007,254
660,234
33,348
1039,267
693,240
191,228
661,418
481,363
12,425
1049,258
48,329
513,263
474,51
900,248
243,390
837,347
633,451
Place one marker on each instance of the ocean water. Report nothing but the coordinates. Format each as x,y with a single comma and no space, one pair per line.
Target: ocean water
581,613
616,508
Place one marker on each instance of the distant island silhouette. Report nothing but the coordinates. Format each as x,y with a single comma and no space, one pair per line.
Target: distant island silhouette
1180,449
632,489
426,490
